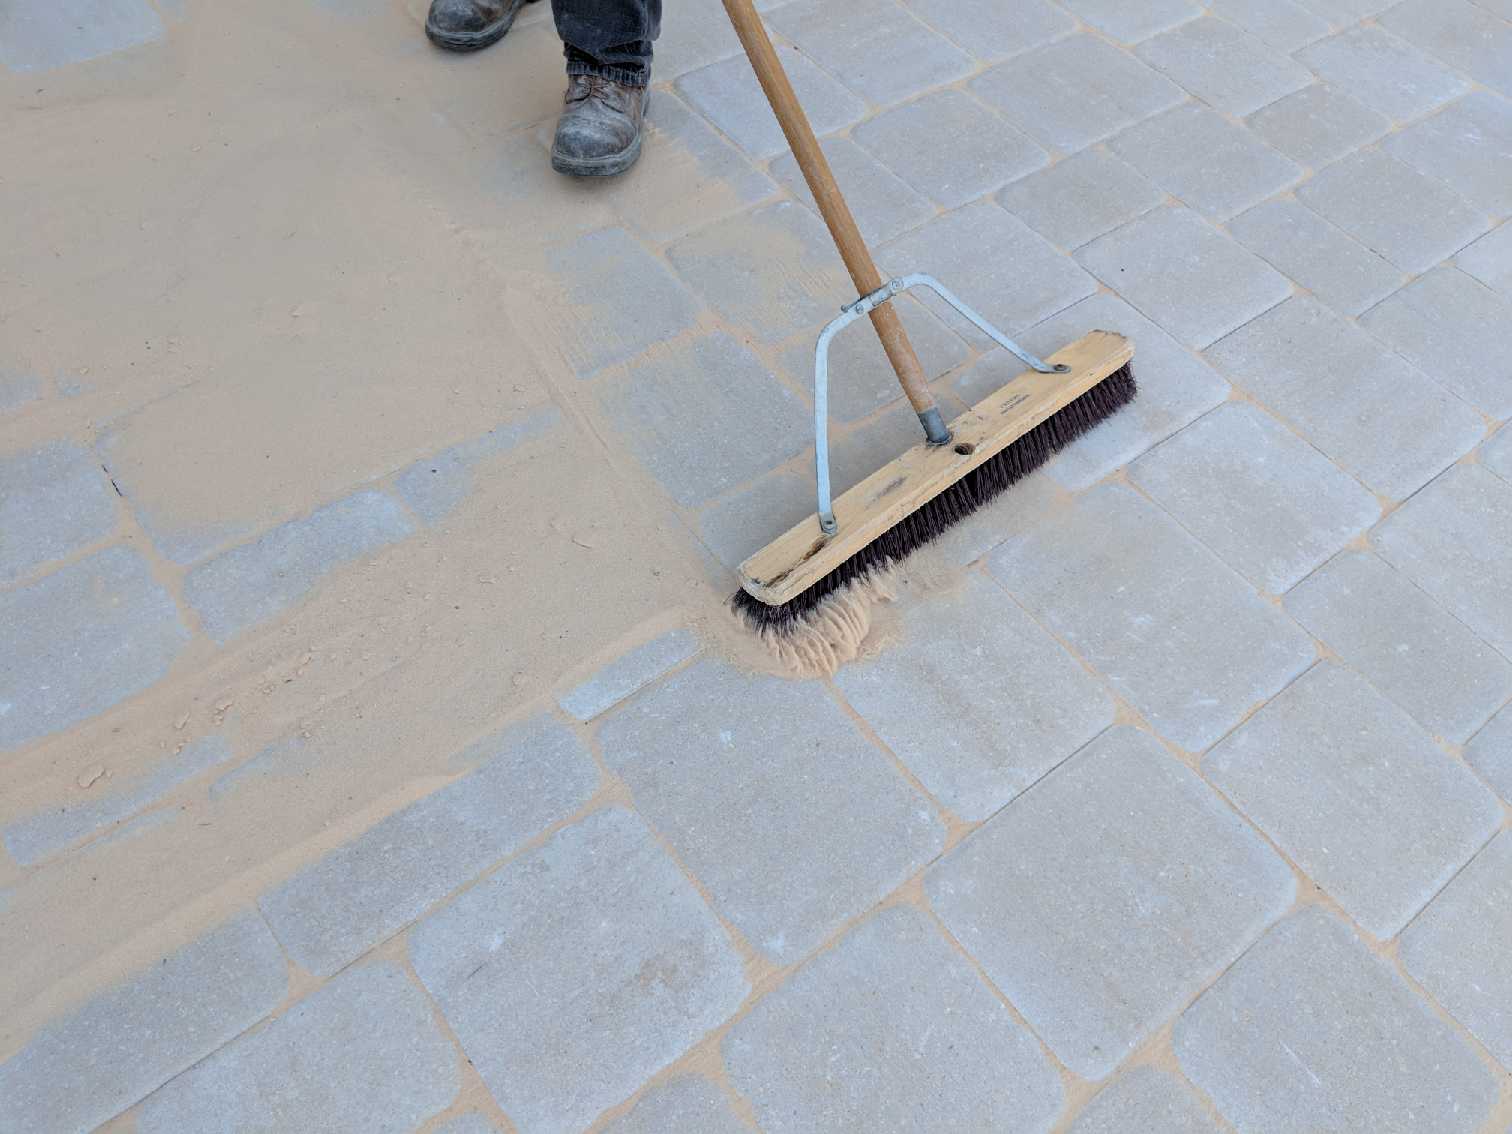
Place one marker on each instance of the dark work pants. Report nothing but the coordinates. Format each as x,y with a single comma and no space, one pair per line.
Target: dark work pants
611,38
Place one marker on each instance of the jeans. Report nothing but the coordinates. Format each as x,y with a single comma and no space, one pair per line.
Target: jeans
611,38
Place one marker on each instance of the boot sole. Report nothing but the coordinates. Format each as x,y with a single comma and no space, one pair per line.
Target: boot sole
474,41
598,167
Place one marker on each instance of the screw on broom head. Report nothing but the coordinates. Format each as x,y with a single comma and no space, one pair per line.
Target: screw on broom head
954,504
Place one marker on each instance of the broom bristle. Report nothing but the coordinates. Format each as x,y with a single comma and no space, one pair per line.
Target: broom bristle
960,500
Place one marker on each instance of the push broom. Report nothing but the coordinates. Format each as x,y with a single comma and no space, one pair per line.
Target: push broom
787,585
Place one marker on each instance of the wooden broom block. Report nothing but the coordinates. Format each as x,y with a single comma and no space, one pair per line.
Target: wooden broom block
802,556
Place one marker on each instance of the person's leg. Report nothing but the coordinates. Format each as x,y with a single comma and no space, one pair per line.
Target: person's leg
608,48
466,25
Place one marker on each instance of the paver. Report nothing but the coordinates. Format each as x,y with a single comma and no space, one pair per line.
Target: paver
994,30
81,640
729,96
257,581
697,35
1385,73
621,299
1404,643
1356,794
362,1054
1101,901
18,388
861,380
1457,948
668,407
1490,753
934,143
1489,260
1375,414
889,1030
42,37
773,270
1466,36
1211,164
578,971
82,1069
776,761
1172,629
1336,268
884,205
627,674
1075,200
690,1104
1317,124
1468,145
337,908
1454,539
1148,1100
53,500
689,175
1343,12
44,833
1308,1031
1175,387
1076,91
435,486
976,755
1133,22
1282,24
1496,454
1456,329
1184,274
746,521
872,46
1002,517
1223,65
1268,503
994,262
1391,208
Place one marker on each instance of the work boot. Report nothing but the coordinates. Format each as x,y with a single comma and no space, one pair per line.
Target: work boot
599,133
466,25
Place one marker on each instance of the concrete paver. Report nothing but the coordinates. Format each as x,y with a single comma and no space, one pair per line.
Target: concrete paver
1411,219
1154,633
1468,145
1337,269
53,500
883,204
1317,124
362,1054
1455,948
1404,643
994,30
1080,198
1102,901
977,756
622,677
1489,259
1379,417
1268,503
1310,1031
891,1023
578,971
1224,66
1463,35
1282,24
1454,540
74,31
1133,22
1185,275
342,905
933,143
1365,803
1383,72
90,1064
1148,1100
776,761
1490,753
81,640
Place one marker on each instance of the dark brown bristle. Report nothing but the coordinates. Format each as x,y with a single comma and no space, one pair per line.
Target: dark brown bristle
960,500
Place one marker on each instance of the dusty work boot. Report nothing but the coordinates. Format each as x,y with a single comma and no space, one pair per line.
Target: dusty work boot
466,25
599,133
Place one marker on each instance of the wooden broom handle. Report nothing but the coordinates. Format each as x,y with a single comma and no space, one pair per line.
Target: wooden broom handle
832,206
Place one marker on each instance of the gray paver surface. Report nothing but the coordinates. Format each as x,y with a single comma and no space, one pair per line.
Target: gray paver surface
1296,209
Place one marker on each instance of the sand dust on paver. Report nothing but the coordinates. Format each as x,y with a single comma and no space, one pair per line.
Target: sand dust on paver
268,273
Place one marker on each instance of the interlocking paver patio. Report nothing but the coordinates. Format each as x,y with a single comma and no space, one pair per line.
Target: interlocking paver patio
339,431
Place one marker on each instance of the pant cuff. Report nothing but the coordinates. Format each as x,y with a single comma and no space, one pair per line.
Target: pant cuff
638,77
